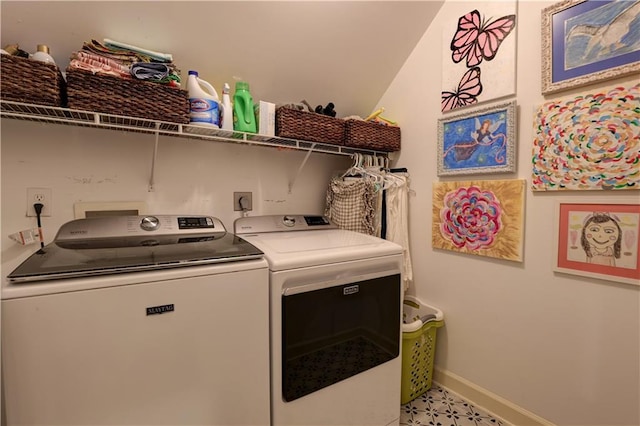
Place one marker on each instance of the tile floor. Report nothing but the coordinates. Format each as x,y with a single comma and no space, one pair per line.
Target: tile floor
441,407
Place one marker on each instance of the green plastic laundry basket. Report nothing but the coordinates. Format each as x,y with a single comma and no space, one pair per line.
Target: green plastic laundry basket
420,323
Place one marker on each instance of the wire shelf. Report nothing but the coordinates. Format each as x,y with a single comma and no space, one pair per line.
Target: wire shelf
57,115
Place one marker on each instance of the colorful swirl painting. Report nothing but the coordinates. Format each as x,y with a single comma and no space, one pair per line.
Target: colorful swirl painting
591,142
484,218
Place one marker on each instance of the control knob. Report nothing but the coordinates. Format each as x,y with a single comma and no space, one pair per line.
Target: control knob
149,223
289,221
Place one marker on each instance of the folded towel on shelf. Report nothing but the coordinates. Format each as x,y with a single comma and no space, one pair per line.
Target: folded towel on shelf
97,60
126,57
157,56
99,68
118,59
150,71
154,72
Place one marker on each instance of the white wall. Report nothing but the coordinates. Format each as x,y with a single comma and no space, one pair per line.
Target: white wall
191,176
563,347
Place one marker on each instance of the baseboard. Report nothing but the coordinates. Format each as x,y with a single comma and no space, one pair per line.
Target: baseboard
490,402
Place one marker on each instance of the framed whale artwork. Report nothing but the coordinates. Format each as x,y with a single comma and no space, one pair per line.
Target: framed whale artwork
586,41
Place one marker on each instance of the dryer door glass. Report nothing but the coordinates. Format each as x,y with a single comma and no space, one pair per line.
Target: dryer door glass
331,334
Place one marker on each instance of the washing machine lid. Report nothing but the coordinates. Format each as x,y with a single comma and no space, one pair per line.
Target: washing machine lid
311,245
117,244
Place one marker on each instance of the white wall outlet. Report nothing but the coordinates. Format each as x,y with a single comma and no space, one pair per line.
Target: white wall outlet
242,201
39,195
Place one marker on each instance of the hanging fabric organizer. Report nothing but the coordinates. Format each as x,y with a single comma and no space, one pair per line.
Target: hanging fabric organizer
372,199
350,204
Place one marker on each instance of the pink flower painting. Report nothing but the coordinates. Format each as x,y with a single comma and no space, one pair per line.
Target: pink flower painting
484,218
471,218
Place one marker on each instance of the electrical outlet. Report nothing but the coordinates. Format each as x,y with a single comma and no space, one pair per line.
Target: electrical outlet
39,195
242,199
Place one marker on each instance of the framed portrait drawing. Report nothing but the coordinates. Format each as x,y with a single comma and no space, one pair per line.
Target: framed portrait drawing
478,141
599,240
586,41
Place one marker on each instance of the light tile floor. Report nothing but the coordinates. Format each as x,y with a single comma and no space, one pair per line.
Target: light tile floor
441,407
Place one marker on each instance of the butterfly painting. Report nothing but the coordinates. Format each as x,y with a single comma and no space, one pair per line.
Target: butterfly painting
479,54
477,39
467,92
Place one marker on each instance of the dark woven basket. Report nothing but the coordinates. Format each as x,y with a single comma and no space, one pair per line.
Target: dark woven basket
132,98
30,81
309,126
378,137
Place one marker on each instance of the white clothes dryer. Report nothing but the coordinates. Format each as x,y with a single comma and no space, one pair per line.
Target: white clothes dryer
335,321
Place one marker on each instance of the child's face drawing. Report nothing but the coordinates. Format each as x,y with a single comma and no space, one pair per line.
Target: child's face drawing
602,235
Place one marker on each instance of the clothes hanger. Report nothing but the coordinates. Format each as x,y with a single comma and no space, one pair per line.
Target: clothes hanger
361,169
375,167
356,167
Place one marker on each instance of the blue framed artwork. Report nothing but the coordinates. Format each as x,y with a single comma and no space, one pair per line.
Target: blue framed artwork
586,41
480,141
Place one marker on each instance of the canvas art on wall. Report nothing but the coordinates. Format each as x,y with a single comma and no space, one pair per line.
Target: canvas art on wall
484,218
478,141
599,239
591,142
585,41
479,55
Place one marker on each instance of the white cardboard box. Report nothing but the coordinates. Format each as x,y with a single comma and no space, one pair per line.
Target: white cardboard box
267,118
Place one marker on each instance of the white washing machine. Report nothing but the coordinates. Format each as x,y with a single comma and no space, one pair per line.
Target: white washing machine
156,320
335,321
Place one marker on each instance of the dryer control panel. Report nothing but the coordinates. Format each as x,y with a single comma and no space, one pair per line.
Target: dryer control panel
281,223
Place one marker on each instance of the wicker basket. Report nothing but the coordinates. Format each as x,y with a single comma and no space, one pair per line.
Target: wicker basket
378,137
309,126
133,98
30,81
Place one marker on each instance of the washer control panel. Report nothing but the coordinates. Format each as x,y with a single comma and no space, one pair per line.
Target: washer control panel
122,226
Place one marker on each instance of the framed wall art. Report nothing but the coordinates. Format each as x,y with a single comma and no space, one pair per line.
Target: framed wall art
483,218
589,142
479,55
479,141
586,41
598,238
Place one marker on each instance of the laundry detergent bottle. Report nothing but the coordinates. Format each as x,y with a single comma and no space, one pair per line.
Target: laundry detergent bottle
244,118
227,111
204,108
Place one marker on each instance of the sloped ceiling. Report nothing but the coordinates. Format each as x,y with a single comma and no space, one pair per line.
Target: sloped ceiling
345,52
